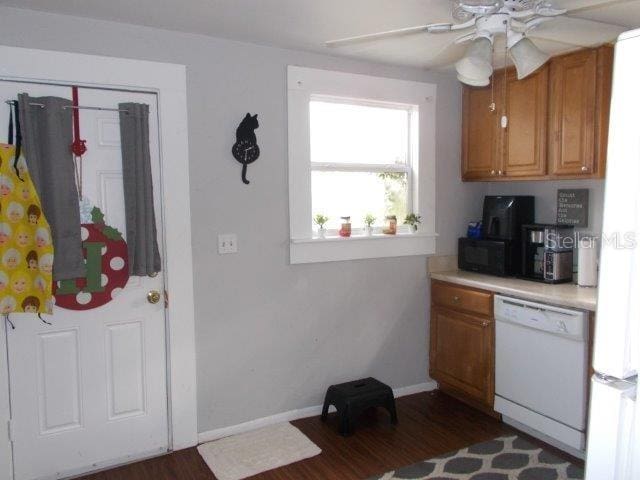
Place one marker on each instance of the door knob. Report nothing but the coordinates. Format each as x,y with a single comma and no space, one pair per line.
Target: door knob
153,296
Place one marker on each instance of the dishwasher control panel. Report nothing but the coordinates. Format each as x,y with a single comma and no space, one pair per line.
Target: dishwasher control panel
563,321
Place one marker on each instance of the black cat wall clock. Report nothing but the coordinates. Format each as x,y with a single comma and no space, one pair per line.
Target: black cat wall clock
246,149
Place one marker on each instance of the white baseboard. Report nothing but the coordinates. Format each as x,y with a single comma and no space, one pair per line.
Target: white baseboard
296,414
411,389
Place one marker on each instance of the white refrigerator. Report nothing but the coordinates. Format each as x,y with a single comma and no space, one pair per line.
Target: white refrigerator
613,443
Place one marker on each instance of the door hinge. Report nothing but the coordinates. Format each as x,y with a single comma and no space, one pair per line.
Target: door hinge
166,299
10,430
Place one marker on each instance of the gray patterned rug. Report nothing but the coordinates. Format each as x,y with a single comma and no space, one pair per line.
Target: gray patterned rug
504,458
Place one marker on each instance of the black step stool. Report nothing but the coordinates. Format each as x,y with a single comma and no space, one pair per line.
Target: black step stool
352,398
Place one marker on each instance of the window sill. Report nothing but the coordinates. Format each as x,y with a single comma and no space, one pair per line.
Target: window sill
335,248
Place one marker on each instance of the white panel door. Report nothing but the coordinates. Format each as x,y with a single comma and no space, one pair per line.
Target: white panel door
89,391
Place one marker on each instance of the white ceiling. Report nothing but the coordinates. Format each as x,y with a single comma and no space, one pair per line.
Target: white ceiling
306,24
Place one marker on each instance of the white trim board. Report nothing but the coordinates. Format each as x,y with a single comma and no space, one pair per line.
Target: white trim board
291,415
168,81
303,84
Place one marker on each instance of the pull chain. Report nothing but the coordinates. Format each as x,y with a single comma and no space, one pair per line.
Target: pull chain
492,105
504,120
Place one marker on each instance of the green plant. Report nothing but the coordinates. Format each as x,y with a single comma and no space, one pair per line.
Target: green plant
369,219
412,219
395,193
320,220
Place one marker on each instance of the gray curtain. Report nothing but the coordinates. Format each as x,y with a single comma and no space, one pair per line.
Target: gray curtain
142,238
46,137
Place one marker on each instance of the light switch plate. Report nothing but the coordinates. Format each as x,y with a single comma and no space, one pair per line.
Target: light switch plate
227,243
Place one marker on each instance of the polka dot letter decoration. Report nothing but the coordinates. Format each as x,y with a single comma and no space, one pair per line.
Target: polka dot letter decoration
106,257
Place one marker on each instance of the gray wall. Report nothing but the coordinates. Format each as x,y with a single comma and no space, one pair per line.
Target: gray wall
270,336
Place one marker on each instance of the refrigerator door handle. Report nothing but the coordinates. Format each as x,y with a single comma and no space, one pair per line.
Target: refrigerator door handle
608,379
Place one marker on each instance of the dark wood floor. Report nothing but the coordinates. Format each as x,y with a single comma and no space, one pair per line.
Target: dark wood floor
429,424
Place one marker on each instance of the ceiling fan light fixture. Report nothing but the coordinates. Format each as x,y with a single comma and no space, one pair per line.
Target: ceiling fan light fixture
525,55
475,67
474,82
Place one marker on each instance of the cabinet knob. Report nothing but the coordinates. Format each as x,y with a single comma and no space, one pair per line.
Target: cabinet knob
493,172
584,169
456,299
499,172
485,324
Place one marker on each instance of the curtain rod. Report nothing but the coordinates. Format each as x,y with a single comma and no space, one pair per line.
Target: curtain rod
80,107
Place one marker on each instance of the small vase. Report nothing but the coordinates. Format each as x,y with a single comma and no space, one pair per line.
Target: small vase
322,232
391,225
368,230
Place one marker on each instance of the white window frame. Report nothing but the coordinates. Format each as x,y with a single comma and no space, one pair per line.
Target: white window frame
406,168
305,84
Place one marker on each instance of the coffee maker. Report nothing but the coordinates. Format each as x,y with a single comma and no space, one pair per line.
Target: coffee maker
547,253
498,252
503,216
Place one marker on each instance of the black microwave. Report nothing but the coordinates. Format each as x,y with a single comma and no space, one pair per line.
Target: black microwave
495,257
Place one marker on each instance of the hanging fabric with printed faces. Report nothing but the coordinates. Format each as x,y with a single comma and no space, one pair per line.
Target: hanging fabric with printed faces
26,251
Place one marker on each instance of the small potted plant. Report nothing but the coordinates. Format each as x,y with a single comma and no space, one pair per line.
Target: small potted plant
412,220
320,220
369,220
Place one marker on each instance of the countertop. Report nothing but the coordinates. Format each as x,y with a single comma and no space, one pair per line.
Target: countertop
563,295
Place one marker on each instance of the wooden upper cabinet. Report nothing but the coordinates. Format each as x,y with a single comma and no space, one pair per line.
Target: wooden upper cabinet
573,114
523,151
479,134
580,92
491,152
557,121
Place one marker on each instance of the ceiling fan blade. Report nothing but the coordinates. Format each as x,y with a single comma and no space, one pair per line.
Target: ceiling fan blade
577,31
576,6
447,56
534,36
377,36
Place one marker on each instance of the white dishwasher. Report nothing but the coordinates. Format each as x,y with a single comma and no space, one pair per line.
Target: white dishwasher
541,370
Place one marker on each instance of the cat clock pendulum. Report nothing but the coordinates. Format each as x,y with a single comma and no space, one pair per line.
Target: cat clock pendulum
246,149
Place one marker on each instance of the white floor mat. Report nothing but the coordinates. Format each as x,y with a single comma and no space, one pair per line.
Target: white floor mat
241,456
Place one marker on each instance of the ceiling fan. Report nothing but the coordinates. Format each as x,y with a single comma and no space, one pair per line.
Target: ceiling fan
484,21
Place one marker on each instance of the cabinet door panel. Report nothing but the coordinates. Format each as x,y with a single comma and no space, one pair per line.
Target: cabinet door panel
479,129
573,104
604,79
461,352
524,140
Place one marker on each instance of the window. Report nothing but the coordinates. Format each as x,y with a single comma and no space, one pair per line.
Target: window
360,159
359,145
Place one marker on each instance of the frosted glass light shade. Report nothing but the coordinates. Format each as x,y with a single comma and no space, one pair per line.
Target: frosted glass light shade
474,82
527,57
475,67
